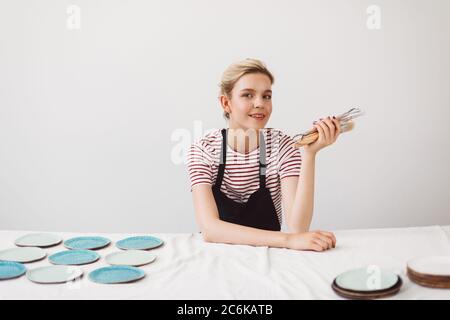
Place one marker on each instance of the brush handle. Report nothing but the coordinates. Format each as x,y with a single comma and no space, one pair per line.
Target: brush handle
313,136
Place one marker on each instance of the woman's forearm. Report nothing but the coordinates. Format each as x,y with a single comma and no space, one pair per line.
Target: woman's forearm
302,209
226,232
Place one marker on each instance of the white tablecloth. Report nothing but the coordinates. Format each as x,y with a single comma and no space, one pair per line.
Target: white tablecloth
189,268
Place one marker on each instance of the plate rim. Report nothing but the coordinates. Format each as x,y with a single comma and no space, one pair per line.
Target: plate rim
427,283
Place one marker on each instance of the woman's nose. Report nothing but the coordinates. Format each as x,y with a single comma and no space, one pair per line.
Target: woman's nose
259,103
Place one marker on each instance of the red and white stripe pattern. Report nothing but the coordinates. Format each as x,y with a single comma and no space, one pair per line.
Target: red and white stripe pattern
241,177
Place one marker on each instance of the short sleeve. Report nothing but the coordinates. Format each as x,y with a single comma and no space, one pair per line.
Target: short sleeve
199,163
289,162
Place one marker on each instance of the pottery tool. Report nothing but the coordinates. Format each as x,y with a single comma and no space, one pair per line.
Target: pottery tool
346,124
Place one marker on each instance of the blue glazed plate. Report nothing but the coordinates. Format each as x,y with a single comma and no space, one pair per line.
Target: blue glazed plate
10,270
74,257
86,243
139,243
116,274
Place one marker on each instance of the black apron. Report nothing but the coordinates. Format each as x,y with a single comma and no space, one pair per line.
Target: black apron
259,211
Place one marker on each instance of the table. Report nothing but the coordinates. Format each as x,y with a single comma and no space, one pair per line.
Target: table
189,268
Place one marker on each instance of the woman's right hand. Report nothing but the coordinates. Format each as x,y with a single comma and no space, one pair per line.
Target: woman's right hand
314,240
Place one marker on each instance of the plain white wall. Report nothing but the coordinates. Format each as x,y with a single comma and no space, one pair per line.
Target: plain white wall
94,121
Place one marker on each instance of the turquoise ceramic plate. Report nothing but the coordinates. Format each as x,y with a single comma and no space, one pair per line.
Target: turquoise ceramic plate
86,243
139,243
133,258
367,279
22,255
54,274
74,257
10,270
42,240
116,274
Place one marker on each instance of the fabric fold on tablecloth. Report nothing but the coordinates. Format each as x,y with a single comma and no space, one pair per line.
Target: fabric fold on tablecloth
187,267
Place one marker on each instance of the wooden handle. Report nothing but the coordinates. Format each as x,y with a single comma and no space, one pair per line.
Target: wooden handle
308,139
313,136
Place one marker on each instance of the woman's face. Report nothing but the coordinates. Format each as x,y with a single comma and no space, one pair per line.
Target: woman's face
250,105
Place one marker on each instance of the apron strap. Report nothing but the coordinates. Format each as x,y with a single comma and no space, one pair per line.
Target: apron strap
262,160
223,158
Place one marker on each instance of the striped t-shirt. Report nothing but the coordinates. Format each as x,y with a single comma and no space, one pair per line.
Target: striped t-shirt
241,176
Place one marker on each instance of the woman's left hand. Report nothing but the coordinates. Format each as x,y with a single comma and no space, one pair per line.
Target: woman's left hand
329,130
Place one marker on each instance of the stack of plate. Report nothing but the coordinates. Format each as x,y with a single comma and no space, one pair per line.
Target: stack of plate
433,271
367,283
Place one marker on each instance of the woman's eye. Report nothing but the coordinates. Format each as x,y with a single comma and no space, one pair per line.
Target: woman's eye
249,95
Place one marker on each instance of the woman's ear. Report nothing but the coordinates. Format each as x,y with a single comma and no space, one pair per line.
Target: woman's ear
225,103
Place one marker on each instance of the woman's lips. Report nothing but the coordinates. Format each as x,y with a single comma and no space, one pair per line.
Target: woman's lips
257,116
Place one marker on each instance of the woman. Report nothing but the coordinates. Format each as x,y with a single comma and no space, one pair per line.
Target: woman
245,176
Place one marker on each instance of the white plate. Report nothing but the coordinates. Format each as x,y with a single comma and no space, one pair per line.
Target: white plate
22,255
54,274
367,279
133,258
432,265
38,240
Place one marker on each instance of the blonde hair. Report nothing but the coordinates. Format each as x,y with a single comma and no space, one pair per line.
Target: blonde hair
238,69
